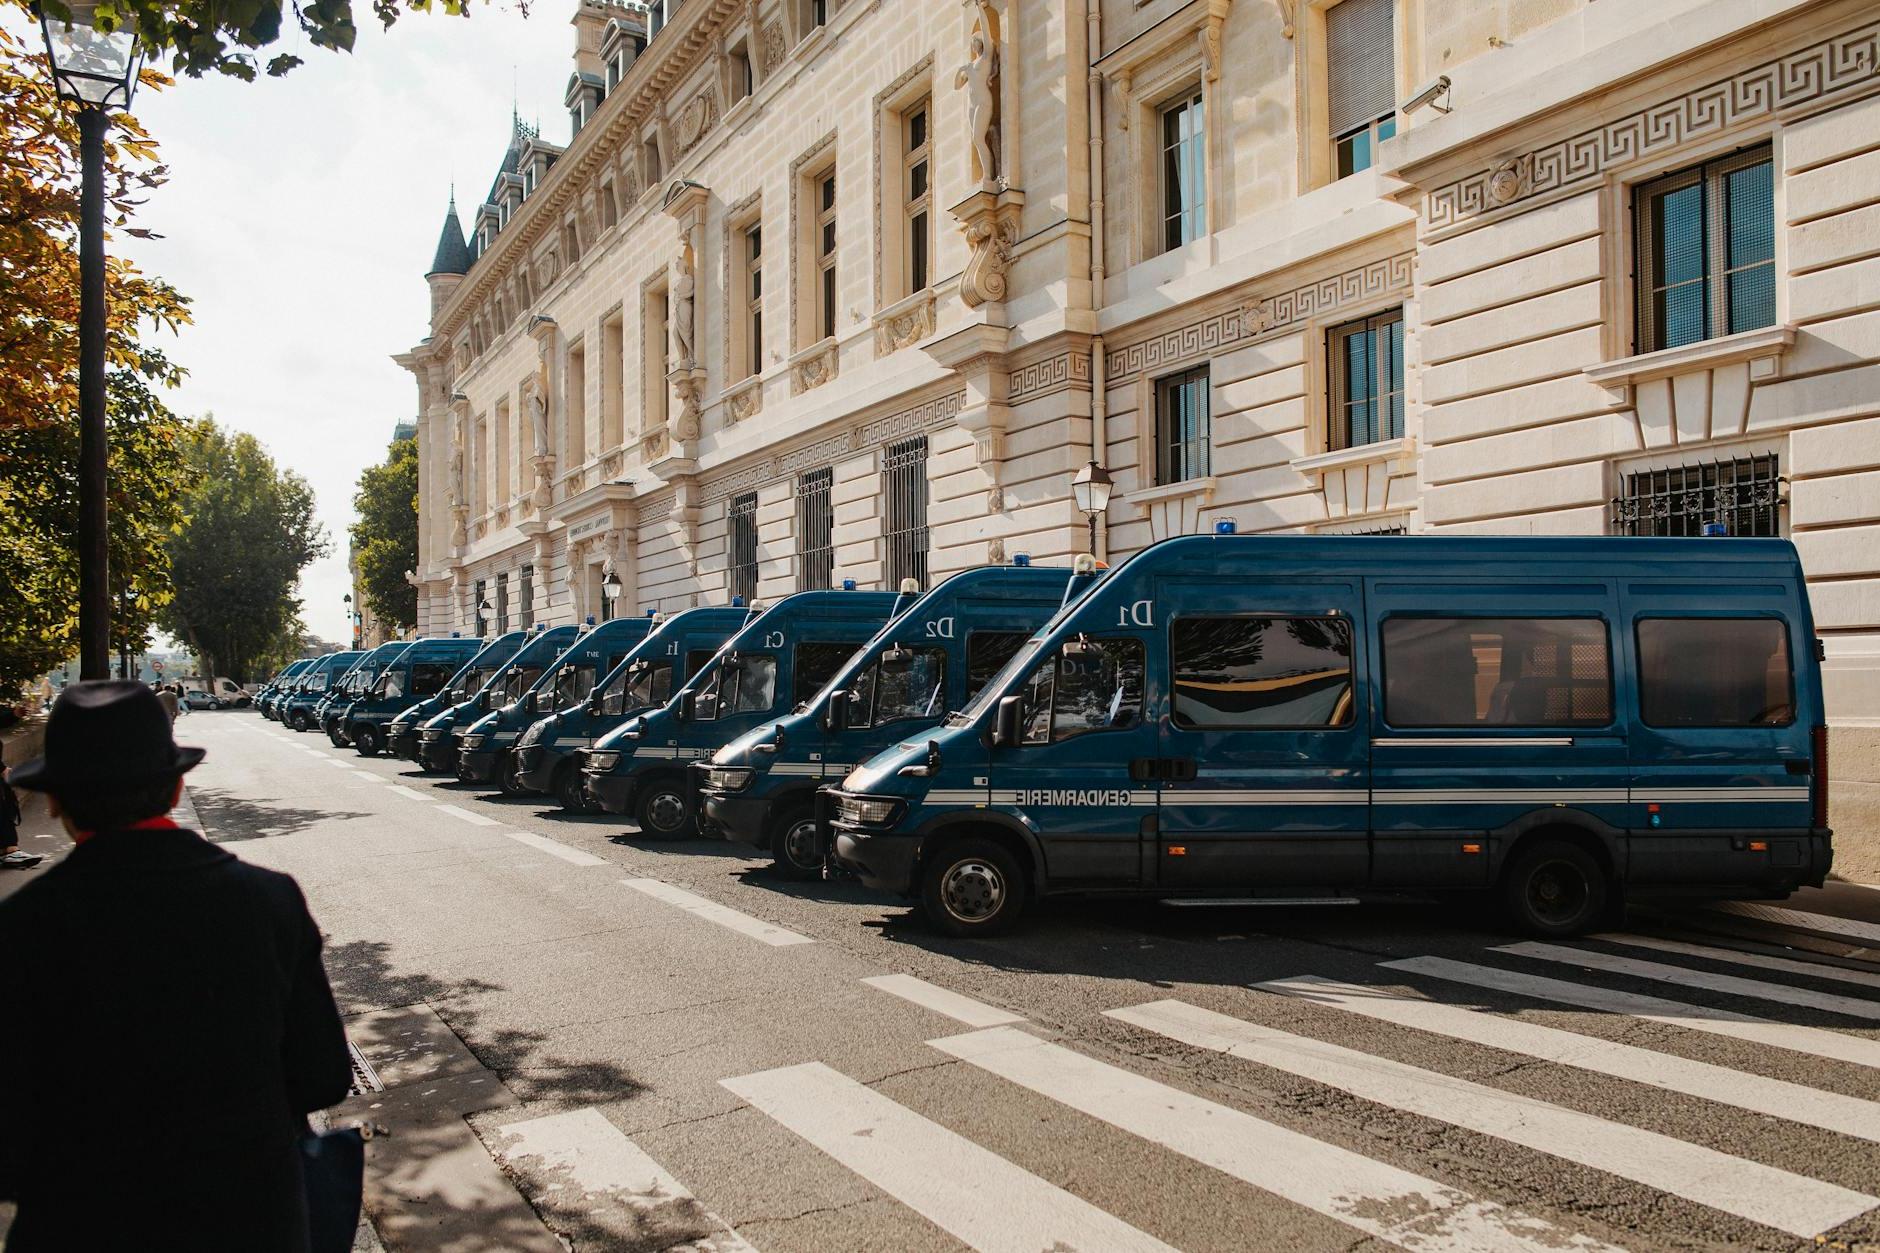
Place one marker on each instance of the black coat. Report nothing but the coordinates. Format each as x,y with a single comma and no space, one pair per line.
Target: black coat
167,1028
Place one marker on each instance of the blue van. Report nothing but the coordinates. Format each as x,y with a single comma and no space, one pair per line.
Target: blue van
488,747
420,671
268,699
441,740
401,734
760,789
783,657
310,686
672,652
1556,721
330,713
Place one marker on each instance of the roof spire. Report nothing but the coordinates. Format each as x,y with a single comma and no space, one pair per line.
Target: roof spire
453,253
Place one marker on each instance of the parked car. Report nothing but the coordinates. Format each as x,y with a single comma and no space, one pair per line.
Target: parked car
198,698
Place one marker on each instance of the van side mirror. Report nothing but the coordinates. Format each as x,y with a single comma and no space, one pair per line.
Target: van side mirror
897,658
688,706
836,714
486,700
1080,646
532,702
594,701
1005,722
732,664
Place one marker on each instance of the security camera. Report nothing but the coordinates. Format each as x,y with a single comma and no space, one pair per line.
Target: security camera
1429,95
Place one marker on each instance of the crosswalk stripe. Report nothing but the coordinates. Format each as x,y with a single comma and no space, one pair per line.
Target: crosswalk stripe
1814,970
334,762
479,820
1754,989
556,848
368,776
1764,1194
1802,919
723,915
971,1193
1758,1093
943,1001
601,1161
409,793
1814,1041
1371,1196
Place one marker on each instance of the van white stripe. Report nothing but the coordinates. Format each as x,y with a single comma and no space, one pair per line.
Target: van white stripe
1802,920
474,819
601,1162
555,848
1758,1093
1751,1190
1722,794
1227,796
1814,970
1371,1196
712,911
1814,1041
1659,972
943,1001
974,1195
1497,796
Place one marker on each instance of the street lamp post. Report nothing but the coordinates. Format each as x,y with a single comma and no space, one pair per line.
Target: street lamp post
610,591
1092,487
352,619
96,69
485,611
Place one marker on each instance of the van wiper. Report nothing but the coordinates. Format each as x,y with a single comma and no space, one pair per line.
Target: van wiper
957,719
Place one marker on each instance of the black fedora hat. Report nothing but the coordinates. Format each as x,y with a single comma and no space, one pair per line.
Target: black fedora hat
106,735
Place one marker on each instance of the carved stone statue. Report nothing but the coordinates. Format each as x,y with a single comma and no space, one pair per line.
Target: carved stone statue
455,485
976,76
684,285
684,424
538,407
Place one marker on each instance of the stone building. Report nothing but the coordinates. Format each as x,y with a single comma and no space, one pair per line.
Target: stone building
824,289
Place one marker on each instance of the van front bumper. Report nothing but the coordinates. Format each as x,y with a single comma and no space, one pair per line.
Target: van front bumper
745,819
438,756
883,860
612,792
537,765
404,744
478,766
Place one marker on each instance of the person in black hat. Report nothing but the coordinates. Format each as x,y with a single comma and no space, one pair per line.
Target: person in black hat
170,1005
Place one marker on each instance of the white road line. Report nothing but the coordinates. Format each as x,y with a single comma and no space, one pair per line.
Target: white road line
477,819
368,776
723,915
1868,931
410,793
573,856
1370,1196
603,1163
1758,1093
942,1001
1754,989
1814,970
1763,1194
973,1194
1814,1041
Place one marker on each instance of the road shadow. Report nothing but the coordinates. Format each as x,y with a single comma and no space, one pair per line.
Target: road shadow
229,818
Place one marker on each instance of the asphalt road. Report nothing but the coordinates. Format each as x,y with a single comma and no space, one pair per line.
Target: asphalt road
667,1019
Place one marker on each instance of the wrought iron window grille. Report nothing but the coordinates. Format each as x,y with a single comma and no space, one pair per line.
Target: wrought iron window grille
1744,494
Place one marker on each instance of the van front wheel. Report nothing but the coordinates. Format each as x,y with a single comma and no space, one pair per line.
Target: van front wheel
796,846
972,887
662,810
366,740
1554,889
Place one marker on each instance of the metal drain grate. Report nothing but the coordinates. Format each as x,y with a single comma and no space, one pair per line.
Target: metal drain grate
365,1079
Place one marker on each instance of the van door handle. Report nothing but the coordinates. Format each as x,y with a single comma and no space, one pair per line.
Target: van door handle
1178,769
1145,769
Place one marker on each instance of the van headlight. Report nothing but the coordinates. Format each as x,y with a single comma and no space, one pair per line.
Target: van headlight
866,811
474,742
601,762
431,735
728,778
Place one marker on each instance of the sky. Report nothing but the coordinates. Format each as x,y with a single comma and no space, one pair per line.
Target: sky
301,214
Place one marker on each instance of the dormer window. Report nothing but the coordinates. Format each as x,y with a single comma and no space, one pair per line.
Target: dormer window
528,181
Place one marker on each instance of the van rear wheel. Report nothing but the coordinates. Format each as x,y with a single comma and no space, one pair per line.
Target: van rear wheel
973,887
796,846
1554,889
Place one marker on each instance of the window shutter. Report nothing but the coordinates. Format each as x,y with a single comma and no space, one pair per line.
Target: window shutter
1358,50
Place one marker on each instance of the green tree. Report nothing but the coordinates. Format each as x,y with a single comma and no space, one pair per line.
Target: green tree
385,538
235,562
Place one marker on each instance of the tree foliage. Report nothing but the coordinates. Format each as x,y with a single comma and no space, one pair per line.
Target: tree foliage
39,192
235,562
385,538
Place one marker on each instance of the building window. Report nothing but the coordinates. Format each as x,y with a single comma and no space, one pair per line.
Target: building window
1367,380
1184,427
502,604
610,207
1743,495
1184,171
1361,88
815,530
754,299
613,380
649,159
1706,242
575,402
742,517
815,13
904,475
917,194
742,84
826,255
525,596
656,361
477,610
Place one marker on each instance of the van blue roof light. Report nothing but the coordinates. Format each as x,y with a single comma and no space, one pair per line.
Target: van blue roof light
848,585
1226,526
737,602
652,613
456,634
1021,559
590,619
1716,529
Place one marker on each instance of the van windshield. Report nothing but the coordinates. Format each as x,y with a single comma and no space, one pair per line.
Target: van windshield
572,685
745,684
639,686
473,681
520,680
911,690
1008,675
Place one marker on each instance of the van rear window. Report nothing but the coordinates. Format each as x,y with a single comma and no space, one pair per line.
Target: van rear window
1262,672
1715,672
1475,672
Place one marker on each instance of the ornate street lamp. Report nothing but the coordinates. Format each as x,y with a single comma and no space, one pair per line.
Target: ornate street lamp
94,67
485,612
1092,487
611,589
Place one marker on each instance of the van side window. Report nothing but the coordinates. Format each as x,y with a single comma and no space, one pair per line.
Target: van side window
816,664
695,661
1097,688
1522,672
1262,672
1715,672
429,677
986,655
